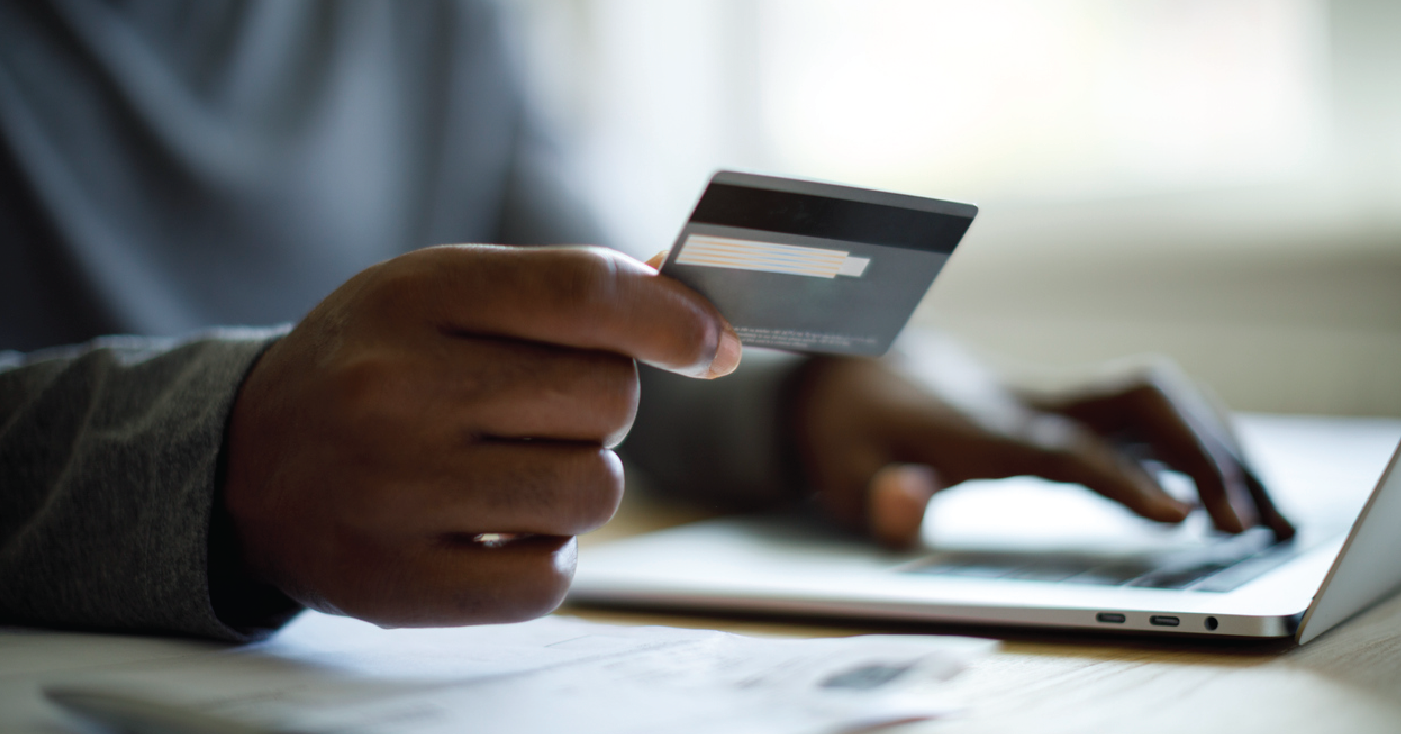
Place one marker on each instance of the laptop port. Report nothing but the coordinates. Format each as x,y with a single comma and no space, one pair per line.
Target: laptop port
1110,617
1164,620
1212,624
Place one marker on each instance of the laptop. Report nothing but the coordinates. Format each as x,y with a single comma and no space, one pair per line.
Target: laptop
1025,552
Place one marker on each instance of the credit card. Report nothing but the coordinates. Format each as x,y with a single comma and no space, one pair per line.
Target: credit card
814,267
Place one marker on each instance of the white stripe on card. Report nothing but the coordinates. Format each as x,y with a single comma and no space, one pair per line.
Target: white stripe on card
724,252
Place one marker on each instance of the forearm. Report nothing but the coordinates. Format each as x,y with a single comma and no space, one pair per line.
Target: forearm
109,474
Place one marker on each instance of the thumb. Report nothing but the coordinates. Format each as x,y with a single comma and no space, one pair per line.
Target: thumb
898,495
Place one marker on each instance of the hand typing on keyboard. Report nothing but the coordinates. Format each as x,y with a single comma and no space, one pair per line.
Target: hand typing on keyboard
876,439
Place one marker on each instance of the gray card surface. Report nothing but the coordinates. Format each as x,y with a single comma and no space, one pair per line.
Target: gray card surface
814,267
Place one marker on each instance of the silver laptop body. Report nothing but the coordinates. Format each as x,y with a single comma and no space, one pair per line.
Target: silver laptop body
1029,553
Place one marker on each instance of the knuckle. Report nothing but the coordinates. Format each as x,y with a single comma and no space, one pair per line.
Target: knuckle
538,590
532,598
1052,447
362,388
533,587
587,278
567,490
1146,394
593,489
615,390
572,394
1057,463
1067,456
391,284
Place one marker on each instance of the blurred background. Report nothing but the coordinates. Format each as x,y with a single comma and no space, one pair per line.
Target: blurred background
1218,181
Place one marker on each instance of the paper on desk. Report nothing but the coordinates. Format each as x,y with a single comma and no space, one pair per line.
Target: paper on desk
556,674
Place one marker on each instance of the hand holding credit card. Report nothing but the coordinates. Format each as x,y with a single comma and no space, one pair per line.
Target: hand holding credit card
814,267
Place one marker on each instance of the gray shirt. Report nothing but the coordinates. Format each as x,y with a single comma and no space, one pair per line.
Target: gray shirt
165,167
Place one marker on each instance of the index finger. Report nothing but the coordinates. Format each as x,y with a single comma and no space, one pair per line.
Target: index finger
1046,445
1058,449
1183,436
582,297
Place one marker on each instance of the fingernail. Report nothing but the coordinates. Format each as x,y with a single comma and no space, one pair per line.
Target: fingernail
727,354
897,497
920,482
1282,528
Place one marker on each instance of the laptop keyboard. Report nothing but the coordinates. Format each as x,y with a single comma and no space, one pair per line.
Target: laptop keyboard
1218,567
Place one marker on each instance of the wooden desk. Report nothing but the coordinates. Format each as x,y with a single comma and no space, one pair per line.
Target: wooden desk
1348,680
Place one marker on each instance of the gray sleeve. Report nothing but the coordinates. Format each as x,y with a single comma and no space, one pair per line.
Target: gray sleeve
109,472
723,444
